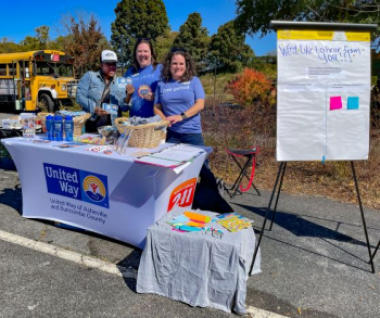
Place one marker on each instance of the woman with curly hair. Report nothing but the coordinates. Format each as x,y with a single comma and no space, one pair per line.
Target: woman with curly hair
180,98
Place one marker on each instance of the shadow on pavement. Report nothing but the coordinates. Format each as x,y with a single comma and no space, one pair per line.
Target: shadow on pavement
12,198
301,227
7,164
132,260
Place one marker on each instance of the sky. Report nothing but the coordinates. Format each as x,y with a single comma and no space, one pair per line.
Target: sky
23,16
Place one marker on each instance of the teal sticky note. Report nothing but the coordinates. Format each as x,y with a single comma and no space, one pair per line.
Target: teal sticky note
353,102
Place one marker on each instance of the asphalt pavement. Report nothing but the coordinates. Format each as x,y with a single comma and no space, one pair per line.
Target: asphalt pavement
314,263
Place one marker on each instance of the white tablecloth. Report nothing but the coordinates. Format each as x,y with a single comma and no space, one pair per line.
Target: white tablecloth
106,193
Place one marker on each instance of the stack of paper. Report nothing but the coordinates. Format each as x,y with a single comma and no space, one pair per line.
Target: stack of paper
171,157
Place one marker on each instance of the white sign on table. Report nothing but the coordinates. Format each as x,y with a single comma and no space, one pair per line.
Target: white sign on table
323,109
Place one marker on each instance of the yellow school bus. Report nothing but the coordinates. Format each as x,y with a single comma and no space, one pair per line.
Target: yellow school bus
37,80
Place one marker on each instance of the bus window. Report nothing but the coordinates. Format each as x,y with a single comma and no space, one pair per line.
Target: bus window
12,69
66,70
3,69
26,69
44,68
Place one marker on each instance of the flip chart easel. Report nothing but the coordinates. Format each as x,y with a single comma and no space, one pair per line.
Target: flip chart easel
323,100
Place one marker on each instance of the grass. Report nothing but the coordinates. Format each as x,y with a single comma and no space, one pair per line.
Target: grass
241,128
209,82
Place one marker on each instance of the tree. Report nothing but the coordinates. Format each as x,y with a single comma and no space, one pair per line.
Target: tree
40,41
193,37
84,42
255,15
30,43
8,46
228,50
60,42
137,19
42,34
164,43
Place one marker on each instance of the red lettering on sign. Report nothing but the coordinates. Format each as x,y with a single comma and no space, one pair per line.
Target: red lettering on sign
183,195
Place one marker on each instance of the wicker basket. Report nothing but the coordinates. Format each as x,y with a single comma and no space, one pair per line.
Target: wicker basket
143,136
79,122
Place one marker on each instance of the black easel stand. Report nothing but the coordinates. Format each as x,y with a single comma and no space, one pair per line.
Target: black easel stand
377,248
281,172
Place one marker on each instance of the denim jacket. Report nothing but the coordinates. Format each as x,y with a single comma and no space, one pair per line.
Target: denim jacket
90,90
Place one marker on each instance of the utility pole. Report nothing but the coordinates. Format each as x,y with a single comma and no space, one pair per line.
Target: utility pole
215,65
122,54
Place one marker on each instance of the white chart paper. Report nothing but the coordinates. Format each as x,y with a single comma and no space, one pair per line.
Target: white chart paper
323,107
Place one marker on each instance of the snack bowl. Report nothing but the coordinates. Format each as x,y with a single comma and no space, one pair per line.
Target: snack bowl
108,132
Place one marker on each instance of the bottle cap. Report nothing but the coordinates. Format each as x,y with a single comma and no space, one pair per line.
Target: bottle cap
68,118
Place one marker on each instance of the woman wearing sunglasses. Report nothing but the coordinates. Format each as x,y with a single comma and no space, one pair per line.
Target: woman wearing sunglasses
144,75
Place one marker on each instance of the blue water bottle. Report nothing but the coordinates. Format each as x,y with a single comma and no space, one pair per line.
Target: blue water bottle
58,128
49,127
69,128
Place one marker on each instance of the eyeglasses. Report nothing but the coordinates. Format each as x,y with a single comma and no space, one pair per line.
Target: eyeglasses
110,63
178,49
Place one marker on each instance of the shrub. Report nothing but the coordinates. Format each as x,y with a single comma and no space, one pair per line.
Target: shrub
251,86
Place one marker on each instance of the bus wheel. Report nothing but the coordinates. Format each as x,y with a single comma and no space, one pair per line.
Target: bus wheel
46,103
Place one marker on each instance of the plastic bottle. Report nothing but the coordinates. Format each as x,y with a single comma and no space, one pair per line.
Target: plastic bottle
58,128
69,128
49,127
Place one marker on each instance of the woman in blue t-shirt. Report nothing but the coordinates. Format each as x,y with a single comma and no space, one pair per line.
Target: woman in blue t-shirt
144,75
180,98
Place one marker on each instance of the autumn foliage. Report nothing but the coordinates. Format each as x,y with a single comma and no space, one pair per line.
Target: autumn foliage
250,87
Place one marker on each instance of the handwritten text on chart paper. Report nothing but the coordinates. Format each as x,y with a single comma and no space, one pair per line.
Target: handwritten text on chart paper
325,53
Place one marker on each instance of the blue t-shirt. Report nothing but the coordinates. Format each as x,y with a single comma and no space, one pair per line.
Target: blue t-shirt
176,97
144,81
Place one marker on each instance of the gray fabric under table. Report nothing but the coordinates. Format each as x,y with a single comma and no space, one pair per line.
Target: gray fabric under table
196,268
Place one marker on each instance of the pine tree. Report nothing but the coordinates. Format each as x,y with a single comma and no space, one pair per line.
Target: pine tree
193,38
137,19
228,50
164,43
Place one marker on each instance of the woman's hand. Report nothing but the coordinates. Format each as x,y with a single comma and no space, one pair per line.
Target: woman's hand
129,89
100,112
149,96
174,119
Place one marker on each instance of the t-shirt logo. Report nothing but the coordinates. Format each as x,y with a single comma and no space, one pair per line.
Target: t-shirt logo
144,90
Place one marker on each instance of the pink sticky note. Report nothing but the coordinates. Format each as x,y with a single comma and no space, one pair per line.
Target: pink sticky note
335,102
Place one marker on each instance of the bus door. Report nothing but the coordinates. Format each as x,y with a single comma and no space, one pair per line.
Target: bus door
26,94
17,86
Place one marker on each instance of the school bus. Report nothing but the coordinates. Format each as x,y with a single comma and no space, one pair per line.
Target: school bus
37,80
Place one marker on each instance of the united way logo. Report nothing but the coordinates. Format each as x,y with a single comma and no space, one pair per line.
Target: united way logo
77,184
94,188
144,90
